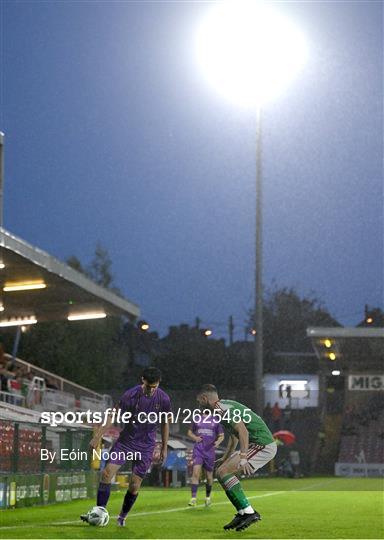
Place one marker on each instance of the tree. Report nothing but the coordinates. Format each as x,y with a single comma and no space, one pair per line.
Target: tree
185,356
99,269
287,316
373,317
75,263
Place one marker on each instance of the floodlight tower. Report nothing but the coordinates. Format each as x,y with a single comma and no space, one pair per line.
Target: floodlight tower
1,177
249,52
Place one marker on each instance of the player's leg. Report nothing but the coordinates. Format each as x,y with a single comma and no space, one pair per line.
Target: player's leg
139,470
257,457
209,465
227,475
228,478
208,487
116,460
196,472
104,489
129,498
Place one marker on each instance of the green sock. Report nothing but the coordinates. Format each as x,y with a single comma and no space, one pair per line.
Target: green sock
228,493
234,491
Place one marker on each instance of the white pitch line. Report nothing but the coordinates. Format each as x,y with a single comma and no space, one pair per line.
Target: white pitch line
199,505
139,514
178,509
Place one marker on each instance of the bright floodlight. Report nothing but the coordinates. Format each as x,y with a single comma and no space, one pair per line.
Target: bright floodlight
249,51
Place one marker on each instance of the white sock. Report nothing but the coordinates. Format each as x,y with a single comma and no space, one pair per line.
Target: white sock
248,510
241,512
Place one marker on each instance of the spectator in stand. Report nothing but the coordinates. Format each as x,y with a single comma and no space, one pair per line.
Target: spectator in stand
267,415
50,383
349,412
287,413
5,372
3,378
2,374
25,373
25,378
18,373
15,382
10,364
349,423
28,376
285,469
294,458
276,417
321,438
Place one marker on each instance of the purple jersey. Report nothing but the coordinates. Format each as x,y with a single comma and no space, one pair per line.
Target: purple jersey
208,430
140,431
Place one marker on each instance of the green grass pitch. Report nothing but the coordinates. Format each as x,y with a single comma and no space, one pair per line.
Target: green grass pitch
304,508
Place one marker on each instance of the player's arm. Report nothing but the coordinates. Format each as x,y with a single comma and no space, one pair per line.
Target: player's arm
193,436
243,437
219,440
164,440
100,430
231,446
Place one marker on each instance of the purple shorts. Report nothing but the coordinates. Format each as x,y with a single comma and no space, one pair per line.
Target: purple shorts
141,462
206,459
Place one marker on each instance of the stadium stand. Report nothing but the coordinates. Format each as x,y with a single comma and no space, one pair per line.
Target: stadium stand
30,390
363,434
35,388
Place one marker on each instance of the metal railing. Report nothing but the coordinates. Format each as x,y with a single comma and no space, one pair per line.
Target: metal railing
62,383
68,395
54,400
12,399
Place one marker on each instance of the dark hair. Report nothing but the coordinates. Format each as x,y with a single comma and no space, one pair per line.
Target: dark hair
208,388
151,375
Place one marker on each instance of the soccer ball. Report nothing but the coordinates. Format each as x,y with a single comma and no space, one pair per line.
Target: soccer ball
98,516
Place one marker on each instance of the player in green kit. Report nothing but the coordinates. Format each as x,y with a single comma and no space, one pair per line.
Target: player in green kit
257,447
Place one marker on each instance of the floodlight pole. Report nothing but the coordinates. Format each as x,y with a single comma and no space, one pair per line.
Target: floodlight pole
258,337
1,176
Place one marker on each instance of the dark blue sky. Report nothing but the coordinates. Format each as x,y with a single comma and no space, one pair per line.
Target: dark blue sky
112,135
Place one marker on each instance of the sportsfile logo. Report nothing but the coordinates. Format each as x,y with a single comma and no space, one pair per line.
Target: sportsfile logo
55,419
185,416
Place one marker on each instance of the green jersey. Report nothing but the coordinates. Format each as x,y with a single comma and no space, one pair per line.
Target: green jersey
232,412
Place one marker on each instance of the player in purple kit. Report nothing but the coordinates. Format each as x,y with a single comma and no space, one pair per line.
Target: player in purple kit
207,435
138,438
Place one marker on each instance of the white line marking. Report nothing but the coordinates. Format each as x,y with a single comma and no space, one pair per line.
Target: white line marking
178,509
139,514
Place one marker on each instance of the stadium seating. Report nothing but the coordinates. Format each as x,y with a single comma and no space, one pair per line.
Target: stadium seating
362,442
